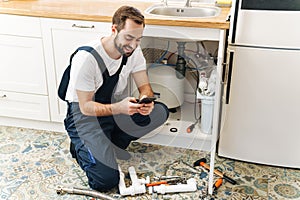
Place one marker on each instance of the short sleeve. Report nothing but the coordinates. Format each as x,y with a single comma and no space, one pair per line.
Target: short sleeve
86,75
139,61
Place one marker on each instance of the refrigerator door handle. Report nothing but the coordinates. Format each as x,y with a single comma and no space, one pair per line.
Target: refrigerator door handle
228,75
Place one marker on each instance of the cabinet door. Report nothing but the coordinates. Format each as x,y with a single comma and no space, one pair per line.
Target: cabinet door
20,25
22,65
27,106
61,39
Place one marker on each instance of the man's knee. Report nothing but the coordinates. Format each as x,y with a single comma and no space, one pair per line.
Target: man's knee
161,110
103,178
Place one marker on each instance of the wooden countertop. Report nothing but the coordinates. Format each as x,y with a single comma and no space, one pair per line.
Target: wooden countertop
102,10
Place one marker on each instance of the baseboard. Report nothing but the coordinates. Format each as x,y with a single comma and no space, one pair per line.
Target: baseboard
32,124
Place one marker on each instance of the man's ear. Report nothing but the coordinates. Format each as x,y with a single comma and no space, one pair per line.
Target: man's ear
114,29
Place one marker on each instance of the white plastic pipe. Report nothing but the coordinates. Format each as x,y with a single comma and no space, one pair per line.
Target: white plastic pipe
135,180
137,187
191,186
122,187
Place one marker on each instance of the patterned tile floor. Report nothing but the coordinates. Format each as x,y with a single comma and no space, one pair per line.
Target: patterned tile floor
34,163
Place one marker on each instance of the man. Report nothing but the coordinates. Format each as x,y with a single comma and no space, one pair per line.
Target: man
100,125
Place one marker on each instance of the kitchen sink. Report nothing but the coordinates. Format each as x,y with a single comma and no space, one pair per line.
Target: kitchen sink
203,11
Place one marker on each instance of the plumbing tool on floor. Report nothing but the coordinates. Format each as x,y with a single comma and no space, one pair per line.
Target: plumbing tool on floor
167,180
202,162
218,183
86,192
190,186
191,127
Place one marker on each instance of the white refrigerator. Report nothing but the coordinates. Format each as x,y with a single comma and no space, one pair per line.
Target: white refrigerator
260,120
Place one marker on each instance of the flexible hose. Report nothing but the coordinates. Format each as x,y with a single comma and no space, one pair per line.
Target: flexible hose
87,192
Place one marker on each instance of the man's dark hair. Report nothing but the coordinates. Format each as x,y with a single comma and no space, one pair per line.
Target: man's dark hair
127,12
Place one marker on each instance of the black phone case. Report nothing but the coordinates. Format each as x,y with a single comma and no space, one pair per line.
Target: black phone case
147,100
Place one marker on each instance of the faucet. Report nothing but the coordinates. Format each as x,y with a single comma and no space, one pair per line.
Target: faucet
165,2
188,3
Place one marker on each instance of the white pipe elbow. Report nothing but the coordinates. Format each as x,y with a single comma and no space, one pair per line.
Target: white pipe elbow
137,187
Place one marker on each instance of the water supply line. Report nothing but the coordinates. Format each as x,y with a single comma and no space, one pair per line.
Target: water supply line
86,192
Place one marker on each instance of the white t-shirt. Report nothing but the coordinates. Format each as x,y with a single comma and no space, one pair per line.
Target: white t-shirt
85,73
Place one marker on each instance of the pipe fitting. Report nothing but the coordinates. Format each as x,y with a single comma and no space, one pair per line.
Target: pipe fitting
138,185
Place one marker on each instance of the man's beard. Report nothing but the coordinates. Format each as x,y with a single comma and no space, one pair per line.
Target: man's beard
121,47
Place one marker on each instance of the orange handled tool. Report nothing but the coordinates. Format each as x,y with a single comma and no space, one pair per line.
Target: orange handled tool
156,183
191,127
218,183
202,162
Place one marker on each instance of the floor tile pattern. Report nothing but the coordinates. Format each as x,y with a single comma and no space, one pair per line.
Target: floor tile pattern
33,163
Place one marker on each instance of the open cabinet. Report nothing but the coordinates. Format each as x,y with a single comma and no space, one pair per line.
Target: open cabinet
56,39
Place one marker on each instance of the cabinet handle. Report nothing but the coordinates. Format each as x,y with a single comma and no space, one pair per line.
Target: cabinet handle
3,96
81,26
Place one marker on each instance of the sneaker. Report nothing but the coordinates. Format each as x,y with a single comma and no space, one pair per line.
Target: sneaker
122,154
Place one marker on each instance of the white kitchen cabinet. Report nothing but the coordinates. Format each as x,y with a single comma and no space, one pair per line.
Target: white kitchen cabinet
22,65
61,39
23,84
20,25
24,105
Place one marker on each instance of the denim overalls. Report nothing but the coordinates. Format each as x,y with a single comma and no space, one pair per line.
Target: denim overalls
95,139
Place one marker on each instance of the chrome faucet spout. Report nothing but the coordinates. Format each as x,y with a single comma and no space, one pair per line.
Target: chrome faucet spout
188,3
165,2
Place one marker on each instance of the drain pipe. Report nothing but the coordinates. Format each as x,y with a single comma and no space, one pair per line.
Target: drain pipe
190,186
138,185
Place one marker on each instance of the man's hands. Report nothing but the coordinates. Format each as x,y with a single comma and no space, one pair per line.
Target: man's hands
146,108
127,106
130,106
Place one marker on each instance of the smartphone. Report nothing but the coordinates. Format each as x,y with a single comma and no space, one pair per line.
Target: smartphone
147,100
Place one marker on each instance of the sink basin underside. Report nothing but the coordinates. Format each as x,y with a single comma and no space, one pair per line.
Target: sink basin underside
195,12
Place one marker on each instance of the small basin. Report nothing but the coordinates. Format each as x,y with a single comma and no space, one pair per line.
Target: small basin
202,11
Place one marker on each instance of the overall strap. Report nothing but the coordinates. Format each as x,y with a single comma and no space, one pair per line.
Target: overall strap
98,58
64,82
63,86
124,61
100,61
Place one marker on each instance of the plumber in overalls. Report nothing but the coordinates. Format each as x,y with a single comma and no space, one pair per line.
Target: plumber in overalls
99,123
